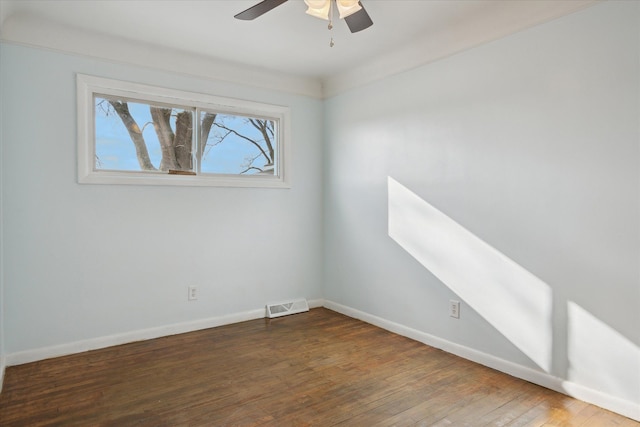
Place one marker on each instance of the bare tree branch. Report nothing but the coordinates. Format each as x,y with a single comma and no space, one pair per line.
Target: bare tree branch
266,156
251,167
263,127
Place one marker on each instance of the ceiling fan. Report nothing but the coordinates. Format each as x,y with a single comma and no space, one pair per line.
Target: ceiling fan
351,11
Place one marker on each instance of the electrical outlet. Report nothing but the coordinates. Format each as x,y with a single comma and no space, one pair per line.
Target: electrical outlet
193,293
454,309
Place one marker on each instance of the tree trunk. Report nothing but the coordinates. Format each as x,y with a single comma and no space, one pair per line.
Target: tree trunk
161,123
205,129
183,140
122,108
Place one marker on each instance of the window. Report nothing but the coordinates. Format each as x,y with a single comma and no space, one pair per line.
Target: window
137,134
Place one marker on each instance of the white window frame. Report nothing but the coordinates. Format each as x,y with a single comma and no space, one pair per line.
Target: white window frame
88,86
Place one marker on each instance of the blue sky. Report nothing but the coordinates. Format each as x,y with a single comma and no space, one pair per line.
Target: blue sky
115,150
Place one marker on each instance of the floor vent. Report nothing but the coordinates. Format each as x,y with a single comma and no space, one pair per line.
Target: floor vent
285,308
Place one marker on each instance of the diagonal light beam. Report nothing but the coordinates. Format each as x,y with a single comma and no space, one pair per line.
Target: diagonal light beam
510,298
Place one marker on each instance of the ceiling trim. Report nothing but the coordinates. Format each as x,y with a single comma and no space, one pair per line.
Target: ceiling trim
486,25
463,35
29,30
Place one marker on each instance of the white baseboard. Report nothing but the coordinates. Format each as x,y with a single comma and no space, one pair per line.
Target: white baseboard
34,355
2,366
37,354
612,403
315,303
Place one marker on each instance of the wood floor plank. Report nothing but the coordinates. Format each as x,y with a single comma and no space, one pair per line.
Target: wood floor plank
318,368
514,408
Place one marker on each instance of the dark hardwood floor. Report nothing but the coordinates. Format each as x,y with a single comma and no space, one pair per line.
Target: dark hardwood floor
318,368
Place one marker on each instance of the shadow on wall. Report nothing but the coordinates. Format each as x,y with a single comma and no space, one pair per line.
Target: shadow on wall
514,301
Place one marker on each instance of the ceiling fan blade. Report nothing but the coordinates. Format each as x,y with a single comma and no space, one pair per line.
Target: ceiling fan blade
359,20
259,9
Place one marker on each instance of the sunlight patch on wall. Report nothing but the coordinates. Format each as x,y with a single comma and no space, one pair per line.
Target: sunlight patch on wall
513,300
600,357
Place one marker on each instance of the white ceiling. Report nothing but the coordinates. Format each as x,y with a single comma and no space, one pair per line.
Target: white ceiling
406,33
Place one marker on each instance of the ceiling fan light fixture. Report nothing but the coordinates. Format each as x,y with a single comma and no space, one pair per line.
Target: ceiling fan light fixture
319,8
348,7
352,11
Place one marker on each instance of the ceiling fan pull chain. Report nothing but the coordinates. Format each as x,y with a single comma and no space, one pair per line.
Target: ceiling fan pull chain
331,43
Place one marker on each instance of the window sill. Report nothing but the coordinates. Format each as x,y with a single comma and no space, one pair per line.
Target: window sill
164,179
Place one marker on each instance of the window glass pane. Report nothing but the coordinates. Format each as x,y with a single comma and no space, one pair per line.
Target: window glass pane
237,144
136,136
131,133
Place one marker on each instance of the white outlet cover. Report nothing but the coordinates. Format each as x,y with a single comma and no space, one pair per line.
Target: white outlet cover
454,309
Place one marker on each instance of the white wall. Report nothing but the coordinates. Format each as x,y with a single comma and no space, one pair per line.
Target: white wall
526,151
88,261
2,305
